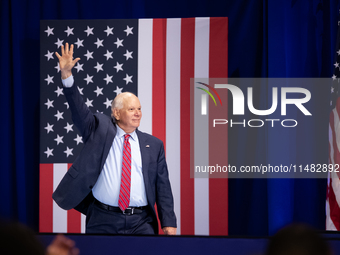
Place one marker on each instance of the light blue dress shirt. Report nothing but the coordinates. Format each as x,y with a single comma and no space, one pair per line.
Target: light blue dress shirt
107,187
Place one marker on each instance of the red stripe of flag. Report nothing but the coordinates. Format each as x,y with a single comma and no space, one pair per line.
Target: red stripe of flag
187,72
159,83
159,79
333,206
218,136
73,218
45,198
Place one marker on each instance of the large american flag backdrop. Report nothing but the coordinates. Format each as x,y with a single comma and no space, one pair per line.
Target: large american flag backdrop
154,58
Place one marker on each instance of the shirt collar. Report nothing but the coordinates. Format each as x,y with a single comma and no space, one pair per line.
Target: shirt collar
121,133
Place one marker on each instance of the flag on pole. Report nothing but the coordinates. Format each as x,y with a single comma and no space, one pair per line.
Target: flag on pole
333,185
155,59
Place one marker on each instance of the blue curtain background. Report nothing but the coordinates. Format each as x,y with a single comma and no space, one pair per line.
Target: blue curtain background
267,38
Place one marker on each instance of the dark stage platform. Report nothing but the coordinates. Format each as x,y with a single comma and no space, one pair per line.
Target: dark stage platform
113,244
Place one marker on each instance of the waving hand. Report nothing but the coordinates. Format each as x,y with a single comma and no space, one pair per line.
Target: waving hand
66,61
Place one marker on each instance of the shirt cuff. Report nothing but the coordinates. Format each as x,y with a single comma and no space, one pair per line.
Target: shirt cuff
68,82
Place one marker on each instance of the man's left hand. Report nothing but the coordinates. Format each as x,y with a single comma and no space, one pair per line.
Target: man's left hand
169,230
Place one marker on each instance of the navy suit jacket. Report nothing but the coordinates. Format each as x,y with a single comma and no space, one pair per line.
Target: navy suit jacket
98,132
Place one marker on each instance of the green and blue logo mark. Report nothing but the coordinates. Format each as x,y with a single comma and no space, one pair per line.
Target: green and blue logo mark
204,98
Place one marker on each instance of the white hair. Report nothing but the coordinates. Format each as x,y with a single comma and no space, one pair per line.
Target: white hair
118,102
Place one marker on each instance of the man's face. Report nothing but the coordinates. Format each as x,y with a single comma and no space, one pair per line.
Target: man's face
130,115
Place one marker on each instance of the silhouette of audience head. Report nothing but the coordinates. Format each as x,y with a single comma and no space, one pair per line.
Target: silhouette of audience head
16,238
297,239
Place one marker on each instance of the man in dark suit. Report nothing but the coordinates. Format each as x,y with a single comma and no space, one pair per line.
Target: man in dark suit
121,172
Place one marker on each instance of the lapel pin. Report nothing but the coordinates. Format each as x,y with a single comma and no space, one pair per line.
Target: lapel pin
147,146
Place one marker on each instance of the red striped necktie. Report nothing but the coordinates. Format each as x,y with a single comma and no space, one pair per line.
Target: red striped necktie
125,182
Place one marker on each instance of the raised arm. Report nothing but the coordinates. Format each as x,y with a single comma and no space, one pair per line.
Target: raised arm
66,61
81,115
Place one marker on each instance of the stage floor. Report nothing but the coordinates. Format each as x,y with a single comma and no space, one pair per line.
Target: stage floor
113,244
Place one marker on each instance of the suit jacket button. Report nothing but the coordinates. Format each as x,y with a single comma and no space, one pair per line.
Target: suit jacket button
91,187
